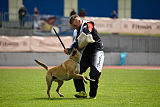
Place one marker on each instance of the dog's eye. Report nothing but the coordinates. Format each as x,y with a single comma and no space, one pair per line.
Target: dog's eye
74,52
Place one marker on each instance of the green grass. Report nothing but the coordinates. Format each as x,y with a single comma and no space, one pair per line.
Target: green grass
117,88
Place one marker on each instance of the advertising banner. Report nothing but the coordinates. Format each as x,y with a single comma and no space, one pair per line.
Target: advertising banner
136,26
14,44
33,44
49,44
44,23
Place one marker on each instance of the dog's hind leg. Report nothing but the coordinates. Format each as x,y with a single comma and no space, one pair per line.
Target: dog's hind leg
60,83
49,83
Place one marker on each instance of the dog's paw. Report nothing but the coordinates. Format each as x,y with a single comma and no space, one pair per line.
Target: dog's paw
61,95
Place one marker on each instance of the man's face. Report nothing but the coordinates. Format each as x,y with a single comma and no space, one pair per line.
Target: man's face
76,24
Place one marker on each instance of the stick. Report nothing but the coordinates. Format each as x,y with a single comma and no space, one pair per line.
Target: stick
58,37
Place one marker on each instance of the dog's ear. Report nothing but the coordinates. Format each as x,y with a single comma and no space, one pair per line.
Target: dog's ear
74,52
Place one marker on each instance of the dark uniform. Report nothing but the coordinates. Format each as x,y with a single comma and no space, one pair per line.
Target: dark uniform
22,13
93,57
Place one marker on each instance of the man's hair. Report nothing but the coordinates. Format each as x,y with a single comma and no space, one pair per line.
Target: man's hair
73,18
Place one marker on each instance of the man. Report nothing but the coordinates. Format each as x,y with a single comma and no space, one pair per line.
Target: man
22,13
93,55
82,13
73,12
114,15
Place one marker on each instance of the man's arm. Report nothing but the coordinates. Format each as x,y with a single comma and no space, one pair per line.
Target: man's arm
74,43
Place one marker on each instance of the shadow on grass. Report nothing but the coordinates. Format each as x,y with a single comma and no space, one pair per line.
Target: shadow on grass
60,98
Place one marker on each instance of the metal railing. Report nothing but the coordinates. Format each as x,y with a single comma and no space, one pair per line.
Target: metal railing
10,20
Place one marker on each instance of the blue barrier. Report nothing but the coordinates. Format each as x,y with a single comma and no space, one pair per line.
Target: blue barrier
123,58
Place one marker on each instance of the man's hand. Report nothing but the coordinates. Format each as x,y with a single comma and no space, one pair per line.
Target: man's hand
66,51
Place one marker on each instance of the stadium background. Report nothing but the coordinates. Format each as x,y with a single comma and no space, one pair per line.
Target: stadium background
138,9
144,50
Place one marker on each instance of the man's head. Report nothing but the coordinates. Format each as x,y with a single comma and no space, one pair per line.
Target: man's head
114,12
75,22
22,7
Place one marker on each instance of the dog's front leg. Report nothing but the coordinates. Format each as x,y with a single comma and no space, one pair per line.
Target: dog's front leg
60,83
89,79
78,76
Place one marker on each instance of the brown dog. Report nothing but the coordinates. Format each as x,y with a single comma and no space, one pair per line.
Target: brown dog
66,71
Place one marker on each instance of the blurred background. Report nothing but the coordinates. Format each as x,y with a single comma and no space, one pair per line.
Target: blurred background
137,9
130,30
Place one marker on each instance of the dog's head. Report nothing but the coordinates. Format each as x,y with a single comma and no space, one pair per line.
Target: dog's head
75,55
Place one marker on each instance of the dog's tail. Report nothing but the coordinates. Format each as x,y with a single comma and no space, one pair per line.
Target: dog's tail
41,64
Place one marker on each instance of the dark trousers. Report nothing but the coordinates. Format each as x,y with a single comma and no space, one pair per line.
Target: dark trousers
21,22
87,61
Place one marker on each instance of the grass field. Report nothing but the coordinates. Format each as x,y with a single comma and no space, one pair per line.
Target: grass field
117,88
